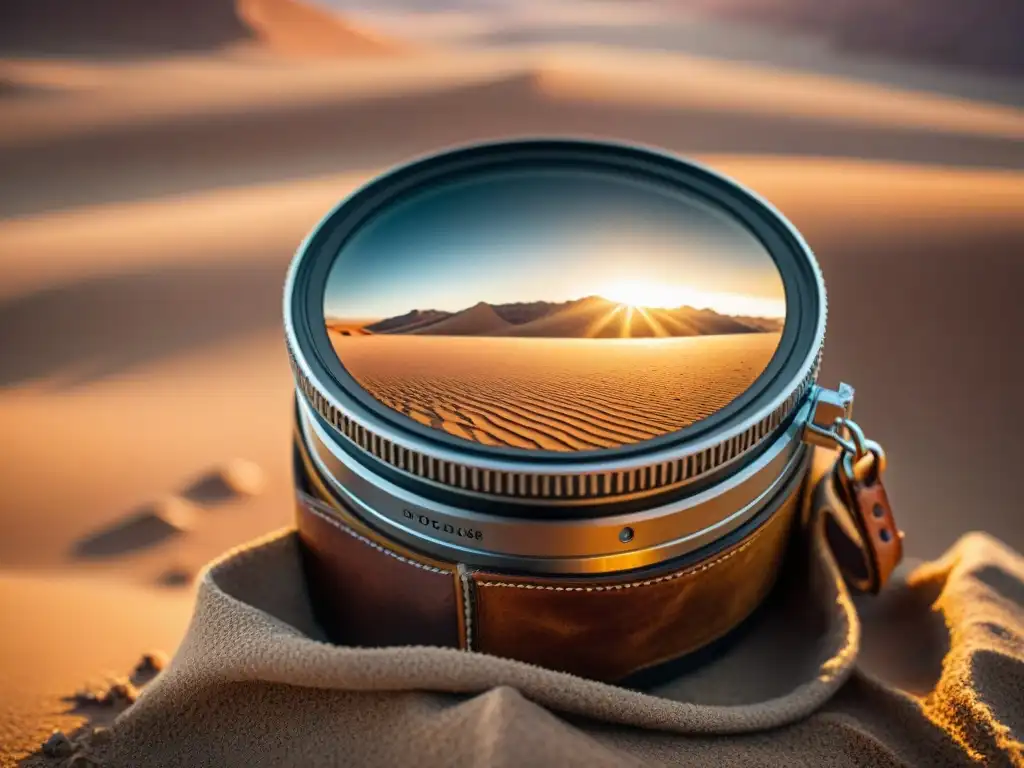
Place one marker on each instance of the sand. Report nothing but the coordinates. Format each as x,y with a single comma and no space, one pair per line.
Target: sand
929,30
127,29
66,633
149,208
556,394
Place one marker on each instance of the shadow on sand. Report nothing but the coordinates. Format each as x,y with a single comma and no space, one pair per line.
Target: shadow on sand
84,331
142,529
210,489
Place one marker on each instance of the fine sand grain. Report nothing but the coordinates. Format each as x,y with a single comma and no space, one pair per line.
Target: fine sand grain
556,394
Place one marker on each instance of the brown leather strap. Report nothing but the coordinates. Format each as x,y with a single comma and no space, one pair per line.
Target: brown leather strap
881,541
858,523
368,591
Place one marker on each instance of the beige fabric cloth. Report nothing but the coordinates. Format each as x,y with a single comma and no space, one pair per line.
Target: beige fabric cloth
931,673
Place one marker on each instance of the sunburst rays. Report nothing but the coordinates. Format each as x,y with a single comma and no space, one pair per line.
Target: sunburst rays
653,322
602,322
627,316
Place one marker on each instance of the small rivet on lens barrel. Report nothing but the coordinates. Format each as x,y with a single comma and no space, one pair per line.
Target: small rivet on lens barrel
626,535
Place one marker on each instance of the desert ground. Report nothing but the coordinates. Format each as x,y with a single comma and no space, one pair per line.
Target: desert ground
556,394
150,204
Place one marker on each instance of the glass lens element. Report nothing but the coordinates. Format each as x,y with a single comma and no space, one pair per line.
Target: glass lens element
554,310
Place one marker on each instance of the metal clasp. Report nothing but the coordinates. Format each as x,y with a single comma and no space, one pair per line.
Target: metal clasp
827,408
831,426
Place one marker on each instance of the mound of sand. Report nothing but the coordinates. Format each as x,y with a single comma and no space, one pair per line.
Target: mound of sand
292,27
983,34
129,28
242,478
235,479
594,317
151,525
589,317
415,318
478,320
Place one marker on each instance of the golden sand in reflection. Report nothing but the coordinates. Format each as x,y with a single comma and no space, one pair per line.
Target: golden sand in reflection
556,394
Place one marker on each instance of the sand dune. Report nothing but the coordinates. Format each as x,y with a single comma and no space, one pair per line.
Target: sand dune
478,320
589,317
297,28
224,129
598,318
985,34
410,320
556,394
767,324
663,78
124,27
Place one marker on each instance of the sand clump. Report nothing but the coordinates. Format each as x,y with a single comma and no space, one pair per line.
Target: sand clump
84,746
58,745
101,736
77,750
121,694
176,513
151,663
176,576
118,693
243,478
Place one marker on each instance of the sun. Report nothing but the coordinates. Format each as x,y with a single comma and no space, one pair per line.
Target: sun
642,293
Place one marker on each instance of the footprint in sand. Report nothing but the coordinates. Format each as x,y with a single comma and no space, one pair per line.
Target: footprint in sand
232,480
174,515
152,524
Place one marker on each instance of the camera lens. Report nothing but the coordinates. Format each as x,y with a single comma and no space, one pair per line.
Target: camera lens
560,357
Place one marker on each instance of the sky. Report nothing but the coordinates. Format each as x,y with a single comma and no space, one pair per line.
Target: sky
551,236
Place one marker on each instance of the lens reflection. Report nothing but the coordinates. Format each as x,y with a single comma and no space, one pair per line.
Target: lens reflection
558,311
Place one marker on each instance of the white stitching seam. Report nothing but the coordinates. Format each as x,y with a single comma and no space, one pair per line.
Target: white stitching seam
342,527
467,604
598,588
612,587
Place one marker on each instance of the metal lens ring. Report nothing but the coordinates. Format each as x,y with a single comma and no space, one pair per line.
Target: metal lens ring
554,330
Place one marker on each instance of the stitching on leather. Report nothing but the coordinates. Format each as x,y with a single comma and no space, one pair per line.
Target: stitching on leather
467,605
359,537
612,587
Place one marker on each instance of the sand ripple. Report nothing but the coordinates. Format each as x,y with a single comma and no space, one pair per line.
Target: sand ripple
556,394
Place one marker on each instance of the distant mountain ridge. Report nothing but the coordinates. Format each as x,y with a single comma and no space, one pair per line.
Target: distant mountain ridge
589,317
478,320
408,321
